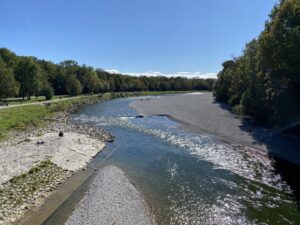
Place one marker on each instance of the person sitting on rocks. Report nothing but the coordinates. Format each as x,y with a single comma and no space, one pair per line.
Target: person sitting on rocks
61,134
40,142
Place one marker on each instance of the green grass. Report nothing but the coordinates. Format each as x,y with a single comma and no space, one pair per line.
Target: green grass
21,118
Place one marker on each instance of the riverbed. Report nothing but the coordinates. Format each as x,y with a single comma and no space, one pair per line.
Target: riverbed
191,178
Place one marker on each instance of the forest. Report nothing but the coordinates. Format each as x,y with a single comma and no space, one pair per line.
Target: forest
264,82
23,76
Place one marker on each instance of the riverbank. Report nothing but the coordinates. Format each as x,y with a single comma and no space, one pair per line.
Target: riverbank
36,162
189,178
198,112
111,199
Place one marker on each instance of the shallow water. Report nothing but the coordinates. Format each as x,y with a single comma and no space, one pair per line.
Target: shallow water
189,178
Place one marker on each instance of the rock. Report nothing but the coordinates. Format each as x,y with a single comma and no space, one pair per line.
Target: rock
61,134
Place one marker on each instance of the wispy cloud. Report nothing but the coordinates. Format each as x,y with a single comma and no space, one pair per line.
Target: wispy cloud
157,73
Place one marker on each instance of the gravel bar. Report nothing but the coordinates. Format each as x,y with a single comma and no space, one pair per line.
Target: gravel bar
111,199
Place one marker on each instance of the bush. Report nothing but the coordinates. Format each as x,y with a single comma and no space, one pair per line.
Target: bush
48,92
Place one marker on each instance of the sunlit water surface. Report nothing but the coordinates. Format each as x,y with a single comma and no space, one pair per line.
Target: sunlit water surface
188,178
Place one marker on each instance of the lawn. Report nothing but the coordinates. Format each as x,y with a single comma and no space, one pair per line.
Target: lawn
21,118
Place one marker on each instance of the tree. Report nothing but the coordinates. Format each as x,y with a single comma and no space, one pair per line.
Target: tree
264,81
48,92
223,84
73,86
26,73
60,82
9,87
36,76
9,58
279,60
92,82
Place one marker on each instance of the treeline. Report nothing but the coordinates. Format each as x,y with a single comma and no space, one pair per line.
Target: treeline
264,81
28,76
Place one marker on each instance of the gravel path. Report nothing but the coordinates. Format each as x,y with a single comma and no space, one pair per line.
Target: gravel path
111,199
39,103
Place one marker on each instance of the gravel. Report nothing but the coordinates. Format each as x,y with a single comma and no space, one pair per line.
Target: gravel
24,150
71,152
111,199
199,112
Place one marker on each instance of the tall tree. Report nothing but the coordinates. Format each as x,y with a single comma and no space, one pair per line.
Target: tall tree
26,73
73,86
9,87
92,82
264,81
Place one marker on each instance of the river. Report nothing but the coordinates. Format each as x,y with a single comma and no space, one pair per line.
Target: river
189,178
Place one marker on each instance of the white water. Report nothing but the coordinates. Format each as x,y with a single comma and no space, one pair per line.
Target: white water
243,162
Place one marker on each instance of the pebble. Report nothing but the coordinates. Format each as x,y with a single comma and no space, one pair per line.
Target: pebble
17,198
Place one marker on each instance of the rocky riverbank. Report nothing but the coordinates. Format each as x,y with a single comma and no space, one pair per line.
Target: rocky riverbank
111,199
29,189
33,164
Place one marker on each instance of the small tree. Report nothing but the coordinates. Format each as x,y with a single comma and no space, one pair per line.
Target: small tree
48,92
73,86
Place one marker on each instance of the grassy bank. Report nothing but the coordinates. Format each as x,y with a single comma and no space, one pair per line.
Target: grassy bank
30,116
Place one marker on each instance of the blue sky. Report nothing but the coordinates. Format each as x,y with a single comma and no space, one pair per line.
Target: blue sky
189,37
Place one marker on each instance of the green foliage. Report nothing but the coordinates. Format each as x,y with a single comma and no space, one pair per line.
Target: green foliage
48,92
265,81
8,85
34,77
21,118
26,73
73,86
92,82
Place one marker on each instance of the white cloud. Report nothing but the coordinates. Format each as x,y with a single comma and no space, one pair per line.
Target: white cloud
157,73
112,71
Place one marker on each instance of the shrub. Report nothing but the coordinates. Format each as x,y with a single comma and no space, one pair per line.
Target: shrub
48,92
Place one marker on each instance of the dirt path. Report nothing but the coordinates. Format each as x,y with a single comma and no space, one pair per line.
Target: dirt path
40,103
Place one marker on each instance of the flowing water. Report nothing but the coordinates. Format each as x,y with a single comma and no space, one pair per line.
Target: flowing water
189,178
